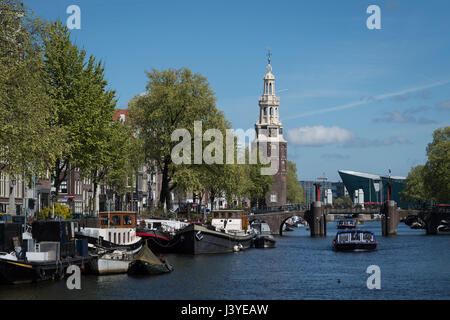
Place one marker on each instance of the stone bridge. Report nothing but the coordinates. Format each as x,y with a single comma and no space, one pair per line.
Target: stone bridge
316,217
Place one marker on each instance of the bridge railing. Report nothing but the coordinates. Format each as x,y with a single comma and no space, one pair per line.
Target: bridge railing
285,208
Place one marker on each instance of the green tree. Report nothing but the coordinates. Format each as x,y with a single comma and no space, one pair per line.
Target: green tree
84,107
294,192
414,188
437,168
28,141
58,211
174,100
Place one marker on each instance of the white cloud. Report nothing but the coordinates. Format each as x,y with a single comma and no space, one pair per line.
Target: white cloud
318,135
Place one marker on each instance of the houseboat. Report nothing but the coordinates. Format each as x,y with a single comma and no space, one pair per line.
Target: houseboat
159,233
227,232
355,240
112,230
112,241
44,255
264,238
348,223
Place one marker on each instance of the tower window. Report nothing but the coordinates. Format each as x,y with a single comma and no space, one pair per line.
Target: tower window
265,111
270,88
271,111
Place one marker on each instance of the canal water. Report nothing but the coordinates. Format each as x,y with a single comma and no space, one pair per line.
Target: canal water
413,266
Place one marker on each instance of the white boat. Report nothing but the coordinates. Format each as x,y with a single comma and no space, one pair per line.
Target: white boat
114,262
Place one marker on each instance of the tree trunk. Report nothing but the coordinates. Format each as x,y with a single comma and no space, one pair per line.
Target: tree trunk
12,198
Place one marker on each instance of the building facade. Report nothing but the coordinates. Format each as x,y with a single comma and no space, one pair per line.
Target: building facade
269,137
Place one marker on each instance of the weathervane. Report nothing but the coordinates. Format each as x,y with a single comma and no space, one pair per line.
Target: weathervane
269,55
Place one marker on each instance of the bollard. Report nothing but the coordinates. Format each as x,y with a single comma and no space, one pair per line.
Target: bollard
389,222
318,229
432,222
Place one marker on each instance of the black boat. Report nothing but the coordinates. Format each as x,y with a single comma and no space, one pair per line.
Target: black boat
43,256
199,239
264,238
264,241
348,223
355,240
147,263
158,241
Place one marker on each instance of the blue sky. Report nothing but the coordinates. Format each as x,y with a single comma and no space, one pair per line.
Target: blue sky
351,98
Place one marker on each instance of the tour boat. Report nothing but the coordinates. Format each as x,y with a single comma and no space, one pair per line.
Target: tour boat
44,255
228,232
264,238
354,240
346,223
147,263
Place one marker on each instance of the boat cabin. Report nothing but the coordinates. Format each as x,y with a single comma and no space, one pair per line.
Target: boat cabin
346,223
117,219
230,220
355,236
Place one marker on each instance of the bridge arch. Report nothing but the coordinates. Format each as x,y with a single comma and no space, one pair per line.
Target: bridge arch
276,220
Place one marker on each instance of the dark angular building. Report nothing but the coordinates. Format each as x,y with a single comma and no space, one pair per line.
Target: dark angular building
375,187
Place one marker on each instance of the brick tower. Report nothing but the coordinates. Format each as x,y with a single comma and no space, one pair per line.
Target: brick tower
269,130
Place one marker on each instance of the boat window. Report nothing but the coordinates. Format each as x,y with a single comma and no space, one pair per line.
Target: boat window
149,226
104,221
156,225
115,220
115,237
127,220
355,236
124,238
109,237
343,237
367,237
222,214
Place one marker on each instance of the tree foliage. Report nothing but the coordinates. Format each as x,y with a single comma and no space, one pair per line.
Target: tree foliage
59,211
294,192
437,168
414,188
28,141
174,100
432,180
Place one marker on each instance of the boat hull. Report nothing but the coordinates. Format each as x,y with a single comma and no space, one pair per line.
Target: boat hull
157,241
16,272
355,246
195,239
102,266
264,242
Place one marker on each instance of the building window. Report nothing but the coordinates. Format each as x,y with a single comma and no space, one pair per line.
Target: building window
63,187
273,198
2,185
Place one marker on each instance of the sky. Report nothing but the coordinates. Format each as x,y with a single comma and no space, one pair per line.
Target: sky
351,98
